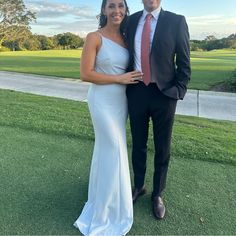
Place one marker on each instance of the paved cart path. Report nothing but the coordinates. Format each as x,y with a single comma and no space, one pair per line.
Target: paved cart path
214,105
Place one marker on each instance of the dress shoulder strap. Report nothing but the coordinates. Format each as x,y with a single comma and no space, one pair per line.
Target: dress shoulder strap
99,33
101,37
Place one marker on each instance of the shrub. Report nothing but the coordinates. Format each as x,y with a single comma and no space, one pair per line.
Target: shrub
4,49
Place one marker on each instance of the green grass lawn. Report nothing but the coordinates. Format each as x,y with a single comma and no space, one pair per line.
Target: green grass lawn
208,68
211,68
45,153
60,63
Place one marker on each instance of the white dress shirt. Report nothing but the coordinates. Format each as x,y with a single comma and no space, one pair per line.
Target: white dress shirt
138,35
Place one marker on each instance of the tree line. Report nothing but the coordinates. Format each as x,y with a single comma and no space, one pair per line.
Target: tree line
33,42
15,33
212,43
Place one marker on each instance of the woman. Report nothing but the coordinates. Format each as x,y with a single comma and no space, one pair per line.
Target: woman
109,209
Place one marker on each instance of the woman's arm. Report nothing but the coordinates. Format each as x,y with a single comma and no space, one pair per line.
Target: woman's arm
87,72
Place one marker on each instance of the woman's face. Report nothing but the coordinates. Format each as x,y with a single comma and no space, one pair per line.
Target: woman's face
115,11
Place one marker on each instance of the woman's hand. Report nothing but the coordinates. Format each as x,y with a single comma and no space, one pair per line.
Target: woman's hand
132,77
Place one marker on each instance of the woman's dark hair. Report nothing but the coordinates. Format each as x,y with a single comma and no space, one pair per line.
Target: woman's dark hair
103,19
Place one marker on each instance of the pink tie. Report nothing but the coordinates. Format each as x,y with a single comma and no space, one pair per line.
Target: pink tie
145,50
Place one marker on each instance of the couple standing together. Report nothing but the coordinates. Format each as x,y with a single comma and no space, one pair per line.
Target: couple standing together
154,49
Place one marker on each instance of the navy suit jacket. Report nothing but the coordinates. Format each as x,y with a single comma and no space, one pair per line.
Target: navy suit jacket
170,52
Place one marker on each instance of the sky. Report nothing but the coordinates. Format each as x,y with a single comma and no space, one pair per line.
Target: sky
204,17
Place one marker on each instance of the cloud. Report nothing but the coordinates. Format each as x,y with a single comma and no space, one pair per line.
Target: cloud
45,9
54,18
77,28
217,25
231,21
212,20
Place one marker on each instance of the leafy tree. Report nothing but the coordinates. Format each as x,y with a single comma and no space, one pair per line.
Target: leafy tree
17,42
232,37
210,38
31,43
231,41
56,39
211,43
195,45
46,43
69,40
14,20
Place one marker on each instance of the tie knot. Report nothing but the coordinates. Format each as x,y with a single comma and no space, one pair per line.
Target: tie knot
149,16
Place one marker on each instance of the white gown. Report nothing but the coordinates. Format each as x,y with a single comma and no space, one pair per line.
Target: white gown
109,209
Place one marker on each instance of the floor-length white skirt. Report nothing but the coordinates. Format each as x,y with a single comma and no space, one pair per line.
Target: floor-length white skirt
109,209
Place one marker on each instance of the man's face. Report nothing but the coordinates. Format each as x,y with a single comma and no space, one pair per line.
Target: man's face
151,5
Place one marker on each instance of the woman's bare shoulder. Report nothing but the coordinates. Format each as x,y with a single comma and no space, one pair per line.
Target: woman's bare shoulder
94,36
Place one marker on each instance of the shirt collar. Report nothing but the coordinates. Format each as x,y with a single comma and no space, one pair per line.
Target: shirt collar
154,13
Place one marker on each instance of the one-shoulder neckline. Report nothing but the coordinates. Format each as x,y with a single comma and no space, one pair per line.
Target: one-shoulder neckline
113,42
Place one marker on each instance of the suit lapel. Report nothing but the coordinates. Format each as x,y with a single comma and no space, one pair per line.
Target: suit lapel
159,28
133,27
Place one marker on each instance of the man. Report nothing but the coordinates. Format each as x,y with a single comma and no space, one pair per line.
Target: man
158,43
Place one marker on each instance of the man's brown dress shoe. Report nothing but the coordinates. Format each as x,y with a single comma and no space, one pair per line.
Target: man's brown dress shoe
158,207
137,193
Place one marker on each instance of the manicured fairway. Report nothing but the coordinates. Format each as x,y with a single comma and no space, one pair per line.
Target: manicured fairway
46,147
208,68
59,63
